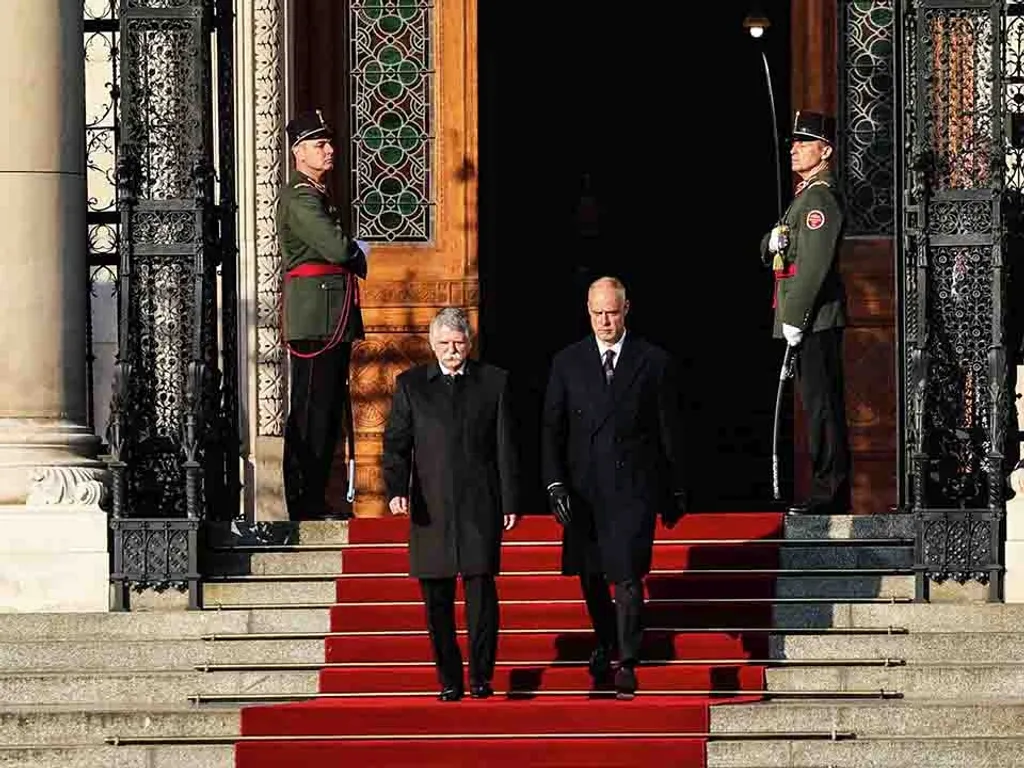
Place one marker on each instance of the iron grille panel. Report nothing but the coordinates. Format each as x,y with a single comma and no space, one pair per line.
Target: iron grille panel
173,429
952,267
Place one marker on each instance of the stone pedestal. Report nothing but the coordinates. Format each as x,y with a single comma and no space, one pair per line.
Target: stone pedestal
54,543
1013,585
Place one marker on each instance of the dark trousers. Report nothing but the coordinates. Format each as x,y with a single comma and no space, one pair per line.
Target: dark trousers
619,624
319,393
482,618
820,378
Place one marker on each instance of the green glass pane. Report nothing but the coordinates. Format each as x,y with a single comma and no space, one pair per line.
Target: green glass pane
374,137
881,17
373,73
391,121
391,186
407,8
882,49
391,221
408,138
391,90
390,56
408,72
407,204
373,9
391,24
392,156
373,204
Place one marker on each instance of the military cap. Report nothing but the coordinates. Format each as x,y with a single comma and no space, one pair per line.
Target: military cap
811,126
308,125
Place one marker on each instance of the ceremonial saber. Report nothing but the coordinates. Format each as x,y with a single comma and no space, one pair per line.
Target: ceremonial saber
786,372
350,438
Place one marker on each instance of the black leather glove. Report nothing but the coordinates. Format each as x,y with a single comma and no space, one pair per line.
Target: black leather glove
680,506
558,500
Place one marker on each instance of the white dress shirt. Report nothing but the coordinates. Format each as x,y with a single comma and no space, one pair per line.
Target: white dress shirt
603,347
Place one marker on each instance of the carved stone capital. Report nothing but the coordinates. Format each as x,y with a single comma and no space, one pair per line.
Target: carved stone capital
85,487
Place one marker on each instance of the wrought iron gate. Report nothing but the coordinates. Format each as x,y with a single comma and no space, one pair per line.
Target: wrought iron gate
954,261
173,431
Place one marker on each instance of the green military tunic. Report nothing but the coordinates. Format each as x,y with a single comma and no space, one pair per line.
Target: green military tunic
309,232
809,291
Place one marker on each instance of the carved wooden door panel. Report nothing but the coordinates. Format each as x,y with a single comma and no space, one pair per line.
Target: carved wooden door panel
398,81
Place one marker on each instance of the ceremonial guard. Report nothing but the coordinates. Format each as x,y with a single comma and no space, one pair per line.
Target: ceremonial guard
810,308
320,319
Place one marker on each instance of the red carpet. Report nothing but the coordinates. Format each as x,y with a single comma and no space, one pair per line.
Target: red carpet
379,687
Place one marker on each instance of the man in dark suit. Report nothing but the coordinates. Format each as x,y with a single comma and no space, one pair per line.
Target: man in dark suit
321,319
450,462
613,461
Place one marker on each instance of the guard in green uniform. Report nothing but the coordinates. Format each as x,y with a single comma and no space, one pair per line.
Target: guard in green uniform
810,308
321,318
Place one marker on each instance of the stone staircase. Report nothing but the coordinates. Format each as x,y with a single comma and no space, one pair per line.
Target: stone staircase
952,674
859,675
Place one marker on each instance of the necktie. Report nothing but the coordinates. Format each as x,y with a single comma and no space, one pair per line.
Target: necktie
609,365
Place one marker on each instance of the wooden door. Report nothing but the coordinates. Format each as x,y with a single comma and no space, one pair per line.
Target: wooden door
398,81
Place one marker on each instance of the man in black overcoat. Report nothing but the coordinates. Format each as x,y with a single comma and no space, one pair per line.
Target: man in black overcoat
450,463
613,461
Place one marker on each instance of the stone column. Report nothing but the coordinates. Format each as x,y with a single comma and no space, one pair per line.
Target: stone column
53,545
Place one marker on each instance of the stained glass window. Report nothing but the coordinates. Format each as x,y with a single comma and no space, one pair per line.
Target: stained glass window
391,121
866,105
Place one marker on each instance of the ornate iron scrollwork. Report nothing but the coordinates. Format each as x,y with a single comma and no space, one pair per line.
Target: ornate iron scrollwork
173,427
952,267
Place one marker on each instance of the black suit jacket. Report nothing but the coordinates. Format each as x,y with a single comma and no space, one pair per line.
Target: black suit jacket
619,450
449,447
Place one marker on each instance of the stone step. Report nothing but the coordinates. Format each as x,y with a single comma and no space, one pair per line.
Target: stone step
914,680
64,725
934,617
880,526
144,687
915,617
235,533
959,718
267,592
910,752
172,756
845,585
275,563
284,619
861,556
948,647
118,626
78,655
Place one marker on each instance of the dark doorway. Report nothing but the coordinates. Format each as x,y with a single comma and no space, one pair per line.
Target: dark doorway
641,146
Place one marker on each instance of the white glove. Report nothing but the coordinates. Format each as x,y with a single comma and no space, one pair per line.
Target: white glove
364,247
792,333
778,240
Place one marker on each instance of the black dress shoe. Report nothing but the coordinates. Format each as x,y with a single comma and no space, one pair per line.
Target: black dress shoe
450,693
481,690
625,683
600,664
